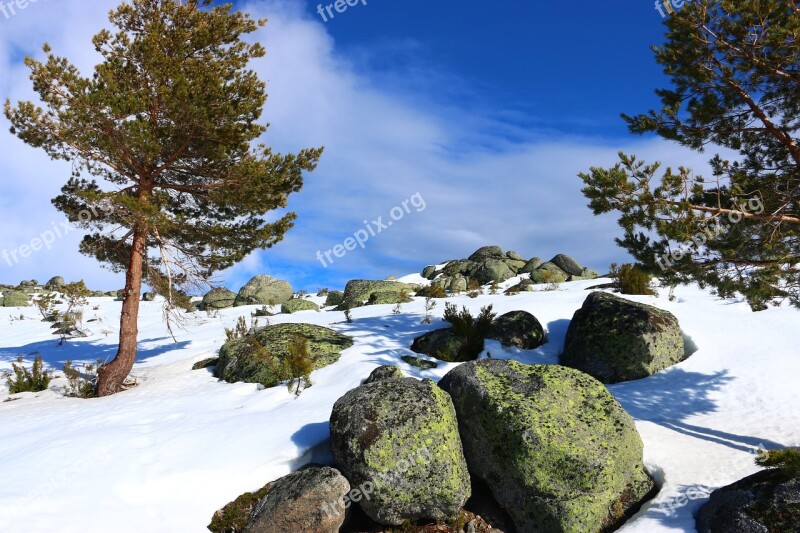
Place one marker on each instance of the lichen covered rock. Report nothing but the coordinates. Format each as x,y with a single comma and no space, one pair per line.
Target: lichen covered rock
383,373
14,298
298,304
264,290
309,500
517,328
400,437
259,356
219,298
614,339
361,292
439,343
763,502
553,445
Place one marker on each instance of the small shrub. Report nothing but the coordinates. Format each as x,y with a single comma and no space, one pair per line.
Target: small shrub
298,363
433,291
473,285
322,292
81,384
429,305
494,287
46,305
787,459
261,311
239,331
630,279
348,315
23,380
471,332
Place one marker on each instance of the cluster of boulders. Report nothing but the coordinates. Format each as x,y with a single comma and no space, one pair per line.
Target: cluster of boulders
490,264
517,328
552,444
20,295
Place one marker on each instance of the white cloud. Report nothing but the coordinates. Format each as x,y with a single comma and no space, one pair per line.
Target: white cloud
382,146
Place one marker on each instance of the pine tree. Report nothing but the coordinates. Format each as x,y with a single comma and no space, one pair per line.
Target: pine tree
169,119
735,84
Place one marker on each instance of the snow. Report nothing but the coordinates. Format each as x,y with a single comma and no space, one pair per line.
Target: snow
164,455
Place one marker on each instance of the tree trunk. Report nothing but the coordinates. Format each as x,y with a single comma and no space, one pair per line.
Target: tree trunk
111,376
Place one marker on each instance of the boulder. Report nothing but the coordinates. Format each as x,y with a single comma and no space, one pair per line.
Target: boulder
549,273
567,264
400,437
429,272
219,298
614,339
264,290
361,292
487,252
553,445
14,298
309,500
517,328
334,298
515,256
422,364
298,304
457,284
439,343
763,502
491,270
54,283
383,373
259,356
531,265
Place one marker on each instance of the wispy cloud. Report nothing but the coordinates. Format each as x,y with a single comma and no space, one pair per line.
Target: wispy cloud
486,178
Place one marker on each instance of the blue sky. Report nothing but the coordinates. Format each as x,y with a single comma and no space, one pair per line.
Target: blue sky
481,112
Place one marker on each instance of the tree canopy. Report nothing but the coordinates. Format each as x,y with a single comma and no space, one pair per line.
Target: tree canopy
169,121
735,86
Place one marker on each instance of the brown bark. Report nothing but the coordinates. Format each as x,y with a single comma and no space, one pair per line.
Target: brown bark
111,376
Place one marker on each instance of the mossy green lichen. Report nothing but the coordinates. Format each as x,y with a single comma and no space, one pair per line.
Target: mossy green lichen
402,437
614,339
556,448
259,357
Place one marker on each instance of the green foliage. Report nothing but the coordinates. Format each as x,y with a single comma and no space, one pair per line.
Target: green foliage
473,285
787,459
494,287
433,291
233,517
471,332
298,363
46,305
430,304
76,294
81,384
734,84
239,331
630,279
23,380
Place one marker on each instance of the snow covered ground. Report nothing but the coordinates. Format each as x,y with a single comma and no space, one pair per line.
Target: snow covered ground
163,456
